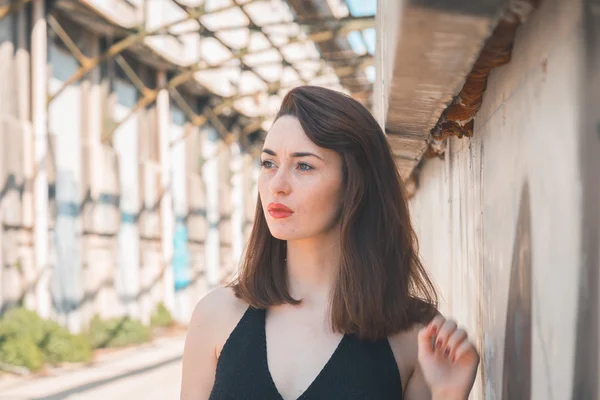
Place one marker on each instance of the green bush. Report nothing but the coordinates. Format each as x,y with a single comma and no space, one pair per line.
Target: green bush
22,352
117,332
162,317
61,346
26,340
21,322
29,341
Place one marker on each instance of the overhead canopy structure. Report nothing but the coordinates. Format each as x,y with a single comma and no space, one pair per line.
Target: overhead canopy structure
434,58
239,56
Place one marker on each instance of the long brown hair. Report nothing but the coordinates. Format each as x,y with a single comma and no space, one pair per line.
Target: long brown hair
381,285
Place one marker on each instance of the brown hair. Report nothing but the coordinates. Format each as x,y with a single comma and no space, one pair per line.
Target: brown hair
381,286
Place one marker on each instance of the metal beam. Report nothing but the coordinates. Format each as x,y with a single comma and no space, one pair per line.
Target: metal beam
207,115
195,119
194,13
346,25
253,126
353,23
124,44
133,77
150,95
221,42
92,63
11,7
66,39
271,43
216,122
273,87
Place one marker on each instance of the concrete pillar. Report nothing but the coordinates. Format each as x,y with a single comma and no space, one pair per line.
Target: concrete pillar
166,204
126,146
250,191
238,200
387,38
97,265
23,77
225,210
210,175
23,73
181,259
39,116
66,134
255,174
94,108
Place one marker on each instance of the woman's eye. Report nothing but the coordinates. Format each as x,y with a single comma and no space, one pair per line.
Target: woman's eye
266,164
304,167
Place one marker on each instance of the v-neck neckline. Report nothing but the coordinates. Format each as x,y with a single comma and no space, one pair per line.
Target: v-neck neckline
316,378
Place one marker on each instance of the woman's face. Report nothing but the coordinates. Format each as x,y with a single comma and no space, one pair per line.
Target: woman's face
300,183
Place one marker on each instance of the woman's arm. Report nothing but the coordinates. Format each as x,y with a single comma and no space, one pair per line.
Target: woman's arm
416,387
213,320
199,354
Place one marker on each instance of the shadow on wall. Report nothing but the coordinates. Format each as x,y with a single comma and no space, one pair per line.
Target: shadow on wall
516,374
586,346
517,358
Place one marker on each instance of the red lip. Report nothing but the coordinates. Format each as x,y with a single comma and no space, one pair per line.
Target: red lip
279,211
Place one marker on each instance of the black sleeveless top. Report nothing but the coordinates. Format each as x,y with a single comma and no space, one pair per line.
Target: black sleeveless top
357,370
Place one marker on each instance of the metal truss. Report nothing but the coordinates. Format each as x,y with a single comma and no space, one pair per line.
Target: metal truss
313,31
11,7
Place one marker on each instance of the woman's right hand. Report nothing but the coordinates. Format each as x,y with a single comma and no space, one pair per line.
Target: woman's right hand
448,359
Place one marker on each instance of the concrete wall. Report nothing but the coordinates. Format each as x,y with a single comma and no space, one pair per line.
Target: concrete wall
502,223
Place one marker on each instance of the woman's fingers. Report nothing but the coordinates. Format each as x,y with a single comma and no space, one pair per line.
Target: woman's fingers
428,334
443,338
455,340
446,331
437,322
465,348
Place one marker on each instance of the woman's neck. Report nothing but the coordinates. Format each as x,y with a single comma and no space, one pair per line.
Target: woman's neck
312,265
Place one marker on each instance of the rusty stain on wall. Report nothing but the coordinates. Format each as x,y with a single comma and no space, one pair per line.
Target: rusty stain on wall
458,118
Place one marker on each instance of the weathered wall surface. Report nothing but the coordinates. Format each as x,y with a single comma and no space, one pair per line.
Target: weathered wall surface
145,214
502,220
17,271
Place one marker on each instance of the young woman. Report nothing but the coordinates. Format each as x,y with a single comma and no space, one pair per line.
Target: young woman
331,301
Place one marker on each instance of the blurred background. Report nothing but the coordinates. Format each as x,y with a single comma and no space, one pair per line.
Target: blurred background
129,140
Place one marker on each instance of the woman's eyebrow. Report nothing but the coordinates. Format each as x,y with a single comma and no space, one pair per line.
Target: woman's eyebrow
297,154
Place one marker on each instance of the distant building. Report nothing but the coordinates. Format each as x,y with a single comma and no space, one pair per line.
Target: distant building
129,132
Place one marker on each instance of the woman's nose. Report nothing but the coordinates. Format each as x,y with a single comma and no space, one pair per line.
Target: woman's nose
280,183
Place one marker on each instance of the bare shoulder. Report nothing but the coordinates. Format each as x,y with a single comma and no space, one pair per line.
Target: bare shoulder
220,302
405,348
213,320
217,314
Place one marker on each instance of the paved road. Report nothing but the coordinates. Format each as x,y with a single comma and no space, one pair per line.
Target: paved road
150,372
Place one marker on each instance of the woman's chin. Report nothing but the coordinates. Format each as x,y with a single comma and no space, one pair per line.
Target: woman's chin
284,234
